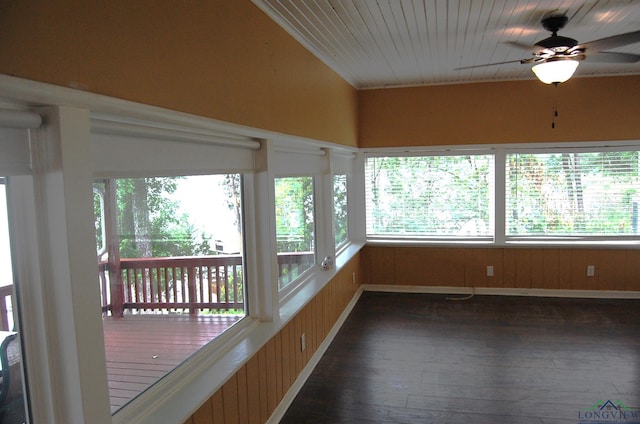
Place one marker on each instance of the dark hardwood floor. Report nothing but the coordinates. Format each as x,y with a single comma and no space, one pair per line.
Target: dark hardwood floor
419,358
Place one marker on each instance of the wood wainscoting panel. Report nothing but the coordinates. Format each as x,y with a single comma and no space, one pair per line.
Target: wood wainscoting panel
204,414
429,266
632,270
537,267
217,406
564,270
509,266
578,265
253,393
553,268
476,262
253,390
550,271
609,268
379,265
230,400
523,269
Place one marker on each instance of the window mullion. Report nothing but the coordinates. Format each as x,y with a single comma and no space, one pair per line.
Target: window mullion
499,208
263,267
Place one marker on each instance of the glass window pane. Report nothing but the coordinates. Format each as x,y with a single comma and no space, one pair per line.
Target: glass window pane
340,209
585,194
12,393
295,232
430,196
171,275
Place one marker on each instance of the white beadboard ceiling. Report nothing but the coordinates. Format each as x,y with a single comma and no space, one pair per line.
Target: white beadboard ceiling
390,43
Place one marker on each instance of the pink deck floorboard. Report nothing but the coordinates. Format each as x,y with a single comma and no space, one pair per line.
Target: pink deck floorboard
141,349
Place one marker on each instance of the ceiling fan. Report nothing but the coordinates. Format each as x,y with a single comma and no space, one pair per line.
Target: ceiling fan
557,57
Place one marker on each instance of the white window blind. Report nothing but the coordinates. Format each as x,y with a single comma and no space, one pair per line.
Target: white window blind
430,196
572,193
136,148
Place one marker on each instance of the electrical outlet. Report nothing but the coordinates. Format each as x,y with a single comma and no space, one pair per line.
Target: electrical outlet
591,270
303,342
490,271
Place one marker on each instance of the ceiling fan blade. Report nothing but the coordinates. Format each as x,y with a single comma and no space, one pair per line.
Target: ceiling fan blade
613,57
610,42
493,64
522,46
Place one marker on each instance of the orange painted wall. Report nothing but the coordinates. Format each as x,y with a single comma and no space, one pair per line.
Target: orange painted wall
252,394
528,268
218,58
590,109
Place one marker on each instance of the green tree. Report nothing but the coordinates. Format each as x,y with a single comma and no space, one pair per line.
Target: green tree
148,222
340,208
429,195
294,214
232,185
590,193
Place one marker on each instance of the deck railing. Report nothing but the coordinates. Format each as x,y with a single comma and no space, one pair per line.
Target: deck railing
6,305
174,284
180,284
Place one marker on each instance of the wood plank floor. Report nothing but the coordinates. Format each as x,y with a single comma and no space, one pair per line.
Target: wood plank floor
141,349
419,358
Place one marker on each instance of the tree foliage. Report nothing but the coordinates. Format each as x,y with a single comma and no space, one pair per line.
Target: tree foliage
148,221
429,195
569,193
294,214
340,208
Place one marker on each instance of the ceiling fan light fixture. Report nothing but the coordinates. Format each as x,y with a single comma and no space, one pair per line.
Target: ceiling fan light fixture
555,71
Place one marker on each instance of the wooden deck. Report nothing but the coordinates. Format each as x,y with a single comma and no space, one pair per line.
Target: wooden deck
141,349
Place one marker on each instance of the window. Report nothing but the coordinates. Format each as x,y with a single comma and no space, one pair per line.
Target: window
340,209
295,230
12,392
170,249
545,194
572,193
430,196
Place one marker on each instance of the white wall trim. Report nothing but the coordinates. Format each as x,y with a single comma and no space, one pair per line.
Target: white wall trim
502,291
304,375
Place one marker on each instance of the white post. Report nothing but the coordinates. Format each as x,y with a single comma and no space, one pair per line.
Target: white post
262,253
64,206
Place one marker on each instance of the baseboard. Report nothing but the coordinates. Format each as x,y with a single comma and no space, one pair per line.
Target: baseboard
288,398
503,291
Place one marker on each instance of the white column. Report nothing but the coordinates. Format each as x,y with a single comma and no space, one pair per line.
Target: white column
68,266
357,202
261,239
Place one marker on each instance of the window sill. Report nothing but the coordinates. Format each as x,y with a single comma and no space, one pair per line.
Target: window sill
531,242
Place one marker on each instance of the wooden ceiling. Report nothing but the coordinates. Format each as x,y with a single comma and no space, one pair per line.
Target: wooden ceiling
390,43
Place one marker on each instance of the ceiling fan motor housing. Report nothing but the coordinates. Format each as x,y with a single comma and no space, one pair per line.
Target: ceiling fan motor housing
556,42
554,23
